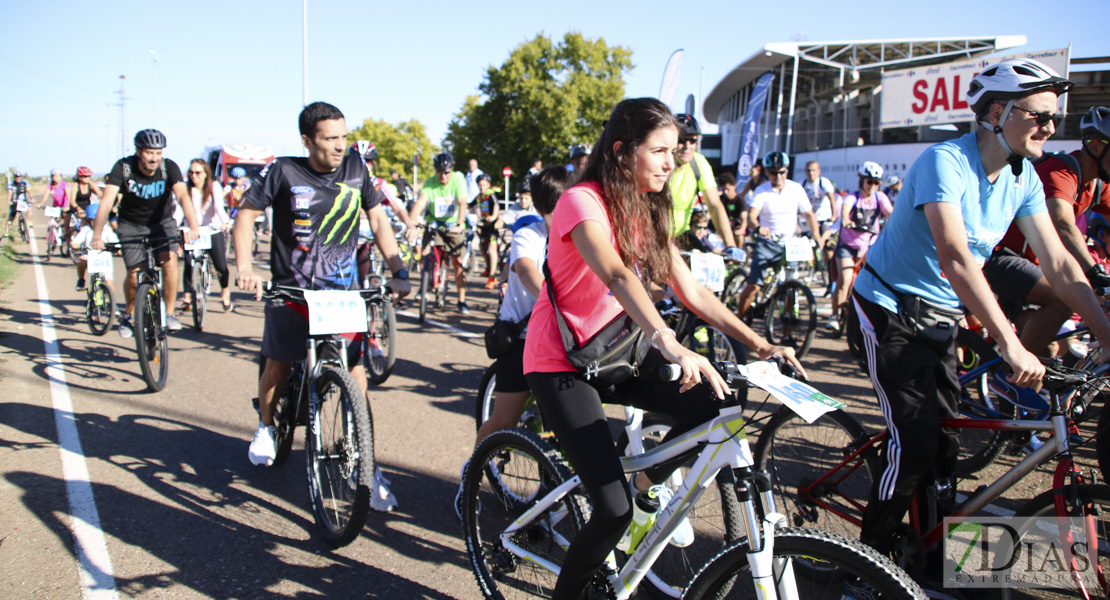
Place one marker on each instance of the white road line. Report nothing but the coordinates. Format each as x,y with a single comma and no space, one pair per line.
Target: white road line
97,581
427,321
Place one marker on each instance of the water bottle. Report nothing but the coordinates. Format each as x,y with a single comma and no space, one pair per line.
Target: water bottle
644,509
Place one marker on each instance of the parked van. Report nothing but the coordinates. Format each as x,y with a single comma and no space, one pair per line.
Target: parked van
225,157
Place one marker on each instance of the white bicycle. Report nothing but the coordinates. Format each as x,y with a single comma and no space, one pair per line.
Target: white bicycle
519,526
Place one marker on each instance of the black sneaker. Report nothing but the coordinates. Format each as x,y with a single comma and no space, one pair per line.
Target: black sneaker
463,308
80,285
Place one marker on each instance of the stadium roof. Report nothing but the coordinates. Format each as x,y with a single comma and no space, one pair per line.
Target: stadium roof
856,57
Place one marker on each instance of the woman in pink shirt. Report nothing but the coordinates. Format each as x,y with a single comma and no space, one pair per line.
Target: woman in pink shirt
609,238
859,224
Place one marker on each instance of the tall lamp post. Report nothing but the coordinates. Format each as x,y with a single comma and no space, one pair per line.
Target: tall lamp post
154,110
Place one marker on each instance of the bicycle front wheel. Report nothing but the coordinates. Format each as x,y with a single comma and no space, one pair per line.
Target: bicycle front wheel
200,293
852,570
1089,507
528,469
791,317
711,343
100,306
23,230
715,519
339,451
810,485
150,337
381,338
425,288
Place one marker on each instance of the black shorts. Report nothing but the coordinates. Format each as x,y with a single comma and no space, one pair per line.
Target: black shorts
487,230
1011,278
510,370
134,255
285,333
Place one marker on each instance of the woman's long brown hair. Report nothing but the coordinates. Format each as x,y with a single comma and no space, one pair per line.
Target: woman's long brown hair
641,222
206,191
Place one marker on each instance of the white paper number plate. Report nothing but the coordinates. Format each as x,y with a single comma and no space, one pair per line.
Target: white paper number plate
100,261
203,241
799,249
709,270
22,206
53,211
796,395
335,311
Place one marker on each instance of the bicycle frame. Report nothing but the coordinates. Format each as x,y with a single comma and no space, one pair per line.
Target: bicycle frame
724,445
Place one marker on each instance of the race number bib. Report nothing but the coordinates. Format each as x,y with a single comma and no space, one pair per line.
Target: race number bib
708,269
203,241
53,211
795,395
22,206
798,249
99,261
444,207
335,311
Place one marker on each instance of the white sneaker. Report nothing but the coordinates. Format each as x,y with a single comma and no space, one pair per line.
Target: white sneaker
381,499
263,450
683,536
833,324
172,323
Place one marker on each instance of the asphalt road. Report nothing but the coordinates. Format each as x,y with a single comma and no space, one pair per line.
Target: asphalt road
183,513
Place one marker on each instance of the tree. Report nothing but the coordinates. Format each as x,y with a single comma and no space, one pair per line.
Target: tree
543,99
396,145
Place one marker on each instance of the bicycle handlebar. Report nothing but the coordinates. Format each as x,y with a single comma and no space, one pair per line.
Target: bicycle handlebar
276,291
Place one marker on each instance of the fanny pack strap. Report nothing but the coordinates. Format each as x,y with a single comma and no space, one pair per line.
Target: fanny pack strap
897,295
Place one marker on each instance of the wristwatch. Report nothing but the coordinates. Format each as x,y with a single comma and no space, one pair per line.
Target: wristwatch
403,275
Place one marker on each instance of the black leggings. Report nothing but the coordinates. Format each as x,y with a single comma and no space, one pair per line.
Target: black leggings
572,410
217,254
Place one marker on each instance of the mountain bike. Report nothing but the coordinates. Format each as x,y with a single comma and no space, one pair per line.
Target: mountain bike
23,225
379,352
201,276
518,528
100,302
821,475
151,335
53,230
433,271
321,394
784,303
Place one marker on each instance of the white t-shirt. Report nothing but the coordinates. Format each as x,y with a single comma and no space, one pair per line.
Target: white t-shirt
528,242
818,194
778,211
84,237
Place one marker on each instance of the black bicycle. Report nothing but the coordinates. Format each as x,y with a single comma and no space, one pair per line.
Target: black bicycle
339,439
100,302
151,334
201,274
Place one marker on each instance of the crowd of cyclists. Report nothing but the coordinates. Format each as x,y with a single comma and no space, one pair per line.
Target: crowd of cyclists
984,230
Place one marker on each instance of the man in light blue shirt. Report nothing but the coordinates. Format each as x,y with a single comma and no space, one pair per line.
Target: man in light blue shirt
957,201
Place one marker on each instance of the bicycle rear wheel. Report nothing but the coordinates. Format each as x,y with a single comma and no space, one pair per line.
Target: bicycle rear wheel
339,451
850,569
796,454
715,518
425,287
24,233
529,469
100,306
381,351
711,343
1092,502
150,337
791,317
51,240
979,447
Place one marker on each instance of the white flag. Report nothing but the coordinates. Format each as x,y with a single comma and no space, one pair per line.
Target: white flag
671,74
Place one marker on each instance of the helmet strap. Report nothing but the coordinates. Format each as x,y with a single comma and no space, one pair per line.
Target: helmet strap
1016,162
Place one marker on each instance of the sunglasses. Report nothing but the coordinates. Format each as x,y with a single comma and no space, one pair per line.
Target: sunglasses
872,181
688,140
196,172
776,171
701,227
1042,118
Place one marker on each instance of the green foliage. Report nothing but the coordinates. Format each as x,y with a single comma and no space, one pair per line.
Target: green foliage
546,97
396,144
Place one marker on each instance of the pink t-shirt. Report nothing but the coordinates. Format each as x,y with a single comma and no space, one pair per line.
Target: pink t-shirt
586,304
862,239
59,193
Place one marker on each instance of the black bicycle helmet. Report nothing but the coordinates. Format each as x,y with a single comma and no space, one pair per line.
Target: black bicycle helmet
687,124
776,160
150,138
525,186
484,177
443,161
1095,125
579,150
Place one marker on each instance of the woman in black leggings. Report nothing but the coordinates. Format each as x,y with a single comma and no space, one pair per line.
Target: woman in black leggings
609,238
208,204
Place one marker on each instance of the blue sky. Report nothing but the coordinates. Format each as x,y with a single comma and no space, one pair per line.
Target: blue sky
231,71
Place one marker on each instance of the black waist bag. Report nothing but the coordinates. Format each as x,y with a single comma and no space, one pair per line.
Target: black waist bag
931,321
501,336
610,357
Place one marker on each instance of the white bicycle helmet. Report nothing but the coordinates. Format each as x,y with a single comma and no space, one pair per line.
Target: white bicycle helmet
1007,81
871,169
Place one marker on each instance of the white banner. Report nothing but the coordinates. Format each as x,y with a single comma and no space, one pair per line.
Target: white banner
937,94
671,73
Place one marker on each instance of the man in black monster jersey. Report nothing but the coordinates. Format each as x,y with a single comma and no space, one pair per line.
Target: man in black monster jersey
316,202
149,184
